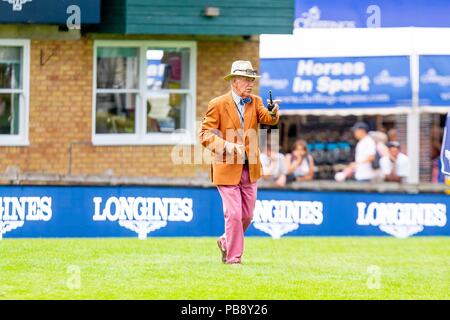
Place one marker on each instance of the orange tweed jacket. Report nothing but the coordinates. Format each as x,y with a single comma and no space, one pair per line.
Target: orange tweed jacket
221,123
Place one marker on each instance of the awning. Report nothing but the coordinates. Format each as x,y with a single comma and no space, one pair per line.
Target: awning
200,17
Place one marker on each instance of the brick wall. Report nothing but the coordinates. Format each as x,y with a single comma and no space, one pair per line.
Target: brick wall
60,121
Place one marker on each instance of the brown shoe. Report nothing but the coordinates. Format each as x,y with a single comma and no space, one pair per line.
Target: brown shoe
224,252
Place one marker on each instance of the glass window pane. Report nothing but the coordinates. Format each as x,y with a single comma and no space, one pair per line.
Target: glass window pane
117,68
167,68
166,112
115,113
9,113
10,67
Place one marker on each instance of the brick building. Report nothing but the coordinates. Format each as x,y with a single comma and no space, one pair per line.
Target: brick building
114,97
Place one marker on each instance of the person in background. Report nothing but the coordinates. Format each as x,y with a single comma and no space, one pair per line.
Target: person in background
395,166
365,153
392,134
274,167
299,163
380,139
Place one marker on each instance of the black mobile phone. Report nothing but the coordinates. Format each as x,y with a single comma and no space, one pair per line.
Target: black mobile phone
270,106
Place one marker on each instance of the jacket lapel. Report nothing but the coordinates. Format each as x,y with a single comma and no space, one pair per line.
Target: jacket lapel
232,111
249,113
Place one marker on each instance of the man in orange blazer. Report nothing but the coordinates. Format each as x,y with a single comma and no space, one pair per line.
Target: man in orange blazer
230,130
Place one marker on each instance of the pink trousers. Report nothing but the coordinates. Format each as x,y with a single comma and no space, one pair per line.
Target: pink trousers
238,205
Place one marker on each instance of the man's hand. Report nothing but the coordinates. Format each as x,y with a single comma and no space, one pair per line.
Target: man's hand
352,166
276,106
233,147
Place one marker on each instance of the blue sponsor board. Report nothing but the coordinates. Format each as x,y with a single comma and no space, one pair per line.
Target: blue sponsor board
434,89
63,211
351,82
48,11
368,13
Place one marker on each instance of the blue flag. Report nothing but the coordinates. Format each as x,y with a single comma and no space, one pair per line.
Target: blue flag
445,149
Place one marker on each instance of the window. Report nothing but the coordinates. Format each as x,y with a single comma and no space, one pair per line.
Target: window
117,88
14,92
144,92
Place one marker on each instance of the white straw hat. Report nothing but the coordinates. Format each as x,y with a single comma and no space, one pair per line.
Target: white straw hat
242,68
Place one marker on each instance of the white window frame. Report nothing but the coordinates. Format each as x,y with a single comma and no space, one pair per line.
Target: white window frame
20,139
140,137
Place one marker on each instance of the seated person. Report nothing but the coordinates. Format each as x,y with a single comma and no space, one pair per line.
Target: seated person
395,166
299,163
274,168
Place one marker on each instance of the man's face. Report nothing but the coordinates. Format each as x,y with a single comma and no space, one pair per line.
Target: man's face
392,135
242,86
359,134
394,151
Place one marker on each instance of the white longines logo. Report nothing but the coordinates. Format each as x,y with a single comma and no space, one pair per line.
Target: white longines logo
143,215
401,219
17,4
278,217
15,211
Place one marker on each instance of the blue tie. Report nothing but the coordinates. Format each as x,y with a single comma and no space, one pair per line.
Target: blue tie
245,101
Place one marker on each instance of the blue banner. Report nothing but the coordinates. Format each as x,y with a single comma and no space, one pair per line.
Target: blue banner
368,13
351,82
434,89
64,211
49,11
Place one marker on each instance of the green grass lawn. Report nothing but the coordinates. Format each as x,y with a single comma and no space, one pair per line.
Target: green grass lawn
190,268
